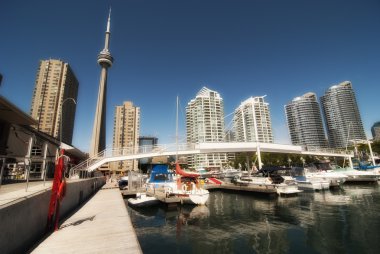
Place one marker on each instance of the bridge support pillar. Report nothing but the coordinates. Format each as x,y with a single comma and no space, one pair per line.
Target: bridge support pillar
370,151
350,161
259,157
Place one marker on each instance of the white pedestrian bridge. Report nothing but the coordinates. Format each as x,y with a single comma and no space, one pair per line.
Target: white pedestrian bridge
130,153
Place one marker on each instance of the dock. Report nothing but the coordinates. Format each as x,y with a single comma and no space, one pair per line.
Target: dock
258,188
102,225
170,200
133,192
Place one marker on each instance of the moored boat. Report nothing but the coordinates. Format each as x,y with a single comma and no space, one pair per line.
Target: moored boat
323,171
309,183
123,183
190,186
230,172
313,184
185,185
278,183
354,175
142,200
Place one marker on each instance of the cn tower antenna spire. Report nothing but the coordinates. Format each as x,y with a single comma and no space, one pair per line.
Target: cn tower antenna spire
109,22
105,60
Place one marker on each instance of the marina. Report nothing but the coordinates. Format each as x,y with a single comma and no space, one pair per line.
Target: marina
334,221
253,165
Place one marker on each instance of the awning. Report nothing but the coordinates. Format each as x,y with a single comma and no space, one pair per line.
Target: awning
10,113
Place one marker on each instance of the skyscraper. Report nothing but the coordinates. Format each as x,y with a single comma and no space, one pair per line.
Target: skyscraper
252,121
55,82
304,121
205,123
105,60
376,131
126,131
342,116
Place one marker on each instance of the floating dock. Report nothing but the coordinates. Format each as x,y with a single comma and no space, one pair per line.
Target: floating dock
259,188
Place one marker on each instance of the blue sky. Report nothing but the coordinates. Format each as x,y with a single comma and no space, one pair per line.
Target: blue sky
165,48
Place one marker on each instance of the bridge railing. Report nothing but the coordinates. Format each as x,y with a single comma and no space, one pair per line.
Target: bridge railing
125,151
315,149
157,150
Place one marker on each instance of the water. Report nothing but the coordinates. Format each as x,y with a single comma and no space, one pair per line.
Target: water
340,221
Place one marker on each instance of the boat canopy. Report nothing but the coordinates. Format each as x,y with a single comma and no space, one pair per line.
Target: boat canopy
160,174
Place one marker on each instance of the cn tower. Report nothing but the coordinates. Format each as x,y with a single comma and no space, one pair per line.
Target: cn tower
105,60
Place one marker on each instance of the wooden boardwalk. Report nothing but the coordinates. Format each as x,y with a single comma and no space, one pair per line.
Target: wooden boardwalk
102,225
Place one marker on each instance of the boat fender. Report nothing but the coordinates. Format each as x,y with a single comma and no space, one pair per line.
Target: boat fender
184,187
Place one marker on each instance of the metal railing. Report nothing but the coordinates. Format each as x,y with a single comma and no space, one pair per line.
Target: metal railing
315,149
125,151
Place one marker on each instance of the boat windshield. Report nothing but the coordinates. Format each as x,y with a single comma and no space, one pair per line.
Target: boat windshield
161,177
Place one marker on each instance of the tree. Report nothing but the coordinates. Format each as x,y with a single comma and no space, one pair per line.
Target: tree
376,147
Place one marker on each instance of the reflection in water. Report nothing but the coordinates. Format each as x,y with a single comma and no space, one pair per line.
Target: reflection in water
339,221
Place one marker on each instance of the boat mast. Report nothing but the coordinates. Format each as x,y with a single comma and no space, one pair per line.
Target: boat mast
176,133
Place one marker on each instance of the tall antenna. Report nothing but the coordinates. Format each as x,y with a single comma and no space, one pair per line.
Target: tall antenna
176,132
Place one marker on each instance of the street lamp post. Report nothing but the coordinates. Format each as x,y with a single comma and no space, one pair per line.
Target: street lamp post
60,122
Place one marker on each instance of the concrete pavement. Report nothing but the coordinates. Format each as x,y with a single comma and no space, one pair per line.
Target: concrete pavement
102,225
10,193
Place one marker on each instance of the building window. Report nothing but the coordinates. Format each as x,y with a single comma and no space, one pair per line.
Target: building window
35,167
36,151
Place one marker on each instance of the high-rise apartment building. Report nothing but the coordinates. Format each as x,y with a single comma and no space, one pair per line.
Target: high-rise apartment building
205,123
55,82
376,131
126,132
342,116
304,120
252,122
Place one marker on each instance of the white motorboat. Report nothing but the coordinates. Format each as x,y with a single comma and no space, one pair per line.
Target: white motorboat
313,184
354,175
308,182
204,173
142,200
336,179
282,187
287,186
285,189
230,172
